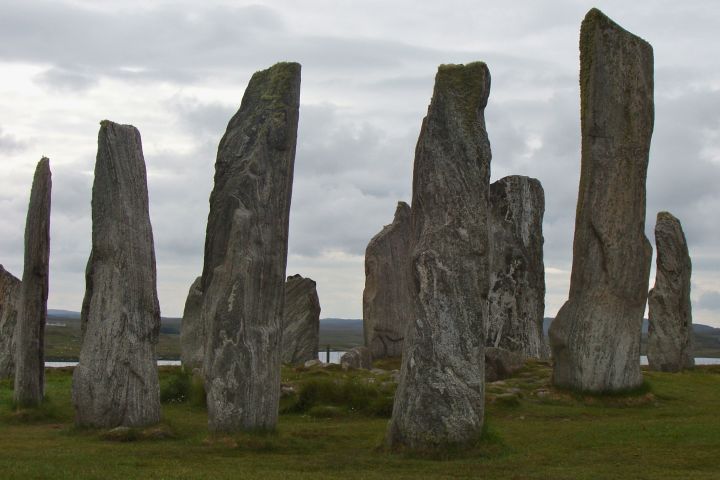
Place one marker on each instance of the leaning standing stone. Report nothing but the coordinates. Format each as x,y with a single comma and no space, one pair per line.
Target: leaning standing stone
670,313
387,305
32,309
301,320
243,278
192,330
116,380
439,400
9,296
517,273
595,337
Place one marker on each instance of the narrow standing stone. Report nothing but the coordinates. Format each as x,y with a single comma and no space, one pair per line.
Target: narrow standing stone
116,381
517,272
192,330
32,309
301,322
387,304
9,298
243,278
439,400
595,337
670,327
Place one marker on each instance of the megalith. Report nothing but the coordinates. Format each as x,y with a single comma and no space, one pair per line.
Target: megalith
516,300
192,330
301,320
595,338
439,400
116,380
670,312
243,279
387,305
32,307
9,297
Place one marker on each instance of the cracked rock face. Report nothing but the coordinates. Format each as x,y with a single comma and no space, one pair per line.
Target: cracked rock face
243,279
9,298
116,380
387,304
32,307
595,338
670,312
192,331
439,399
517,273
301,321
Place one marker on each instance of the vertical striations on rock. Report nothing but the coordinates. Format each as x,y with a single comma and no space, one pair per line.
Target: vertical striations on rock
517,273
243,278
387,305
595,338
32,307
116,380
192,330
670,312
439,399
301,320
9,298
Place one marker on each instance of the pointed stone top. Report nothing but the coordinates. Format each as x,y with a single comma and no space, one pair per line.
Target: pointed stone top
297,276
666,217
402,211
596,19
43,164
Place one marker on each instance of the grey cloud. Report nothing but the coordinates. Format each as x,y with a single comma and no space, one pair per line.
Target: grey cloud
709,301
10,144
66,79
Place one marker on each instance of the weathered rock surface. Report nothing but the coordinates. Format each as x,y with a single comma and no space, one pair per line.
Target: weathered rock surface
439,399
595,337
517,273
670,312
32,307
501,364
301,320
9,298
192,330
243,278
357,357
116,380
387,304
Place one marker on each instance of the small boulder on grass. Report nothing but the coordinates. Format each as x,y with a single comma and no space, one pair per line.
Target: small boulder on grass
358,357
501,364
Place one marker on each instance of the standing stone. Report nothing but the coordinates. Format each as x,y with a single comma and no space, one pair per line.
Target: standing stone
301,320
243,278
595,337
9,297
192,330
439,400
387,304
670,312
32,307
517,273
356,357
116,380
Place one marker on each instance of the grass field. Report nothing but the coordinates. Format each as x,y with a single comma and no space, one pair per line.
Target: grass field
334,422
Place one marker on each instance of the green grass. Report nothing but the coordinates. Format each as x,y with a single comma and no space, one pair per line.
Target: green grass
671,429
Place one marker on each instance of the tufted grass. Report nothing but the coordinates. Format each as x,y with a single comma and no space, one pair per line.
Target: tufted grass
669,430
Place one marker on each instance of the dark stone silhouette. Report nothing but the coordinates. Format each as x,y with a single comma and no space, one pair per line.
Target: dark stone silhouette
116,380
192,330
301,324
243,279
9,298
387,304
32,307
595,338
439,399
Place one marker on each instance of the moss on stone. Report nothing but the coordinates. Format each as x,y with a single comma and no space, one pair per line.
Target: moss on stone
467,85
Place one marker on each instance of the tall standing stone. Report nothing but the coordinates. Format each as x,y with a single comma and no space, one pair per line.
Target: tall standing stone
595,338
243,278
517,273
32,308
192,330
439,399
301,320
387,304
670,313
9,297
116,380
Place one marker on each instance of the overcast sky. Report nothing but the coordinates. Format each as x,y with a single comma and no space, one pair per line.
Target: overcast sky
178,70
